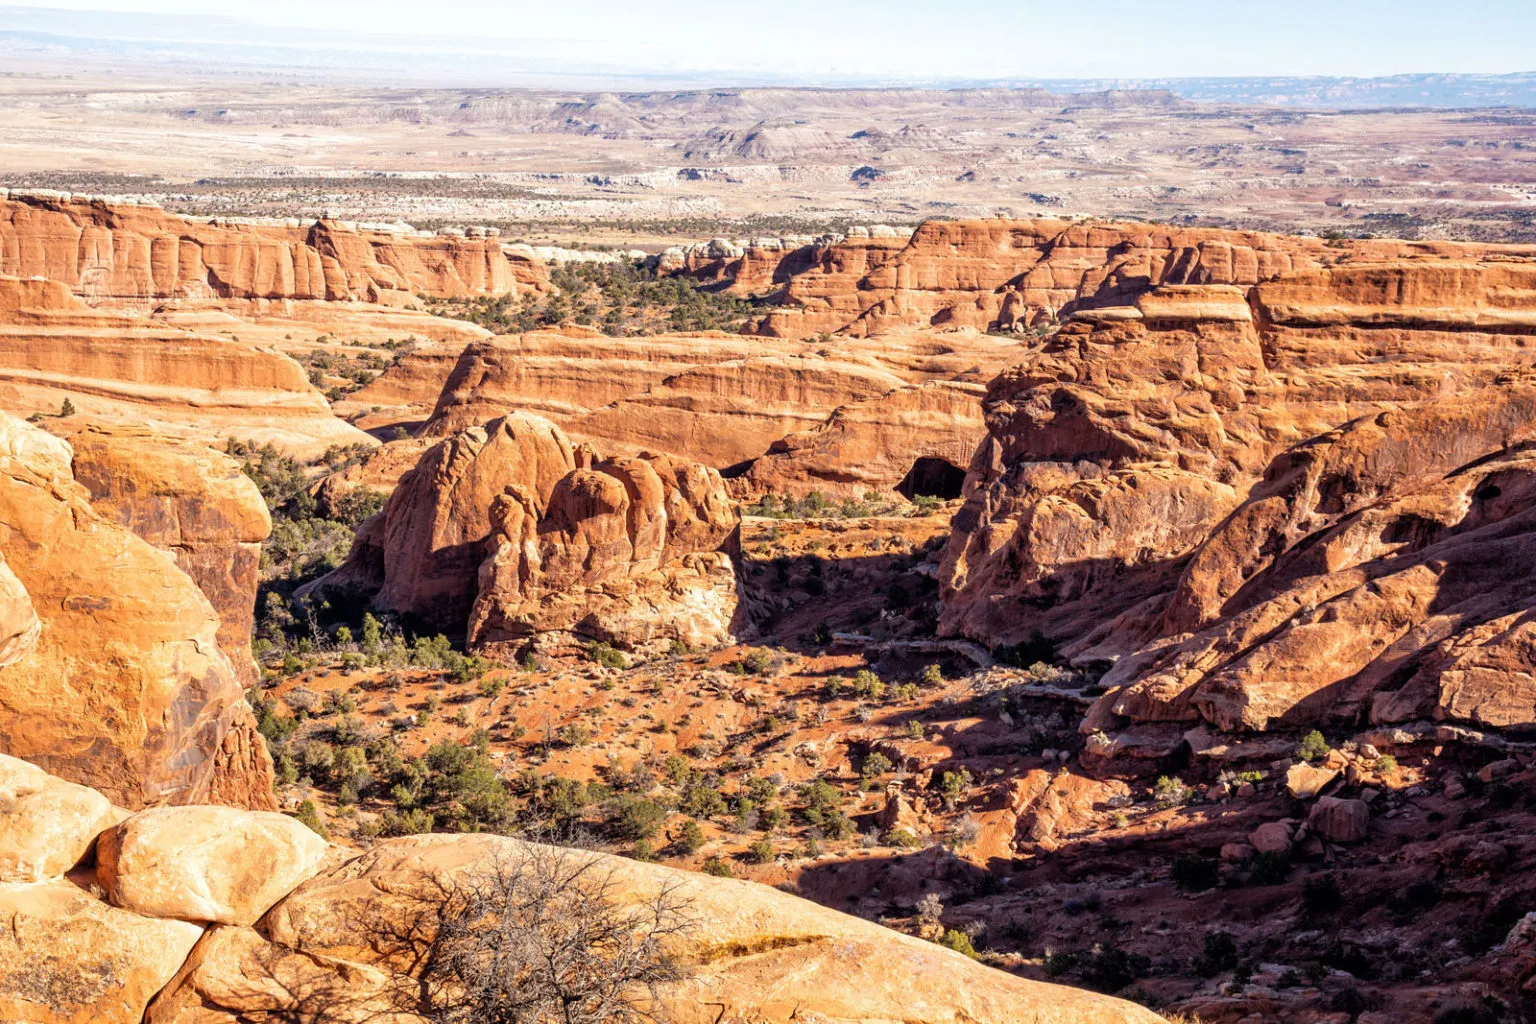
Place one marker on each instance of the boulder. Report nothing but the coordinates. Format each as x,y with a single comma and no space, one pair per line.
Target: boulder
235,974
898,813
755,954
1272,837
1304,781
1339,820
19,624
68,958
215,864
46,824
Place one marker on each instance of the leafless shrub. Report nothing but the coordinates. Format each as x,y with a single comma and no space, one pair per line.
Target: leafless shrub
544,939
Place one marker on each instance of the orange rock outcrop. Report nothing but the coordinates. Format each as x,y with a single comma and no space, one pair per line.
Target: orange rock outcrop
126,687
627,550
999,273
1299,503
126,255
189,501
508,532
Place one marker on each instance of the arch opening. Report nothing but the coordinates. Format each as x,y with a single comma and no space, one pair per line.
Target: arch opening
932,477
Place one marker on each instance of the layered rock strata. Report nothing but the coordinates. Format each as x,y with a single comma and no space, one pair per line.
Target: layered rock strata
1303,503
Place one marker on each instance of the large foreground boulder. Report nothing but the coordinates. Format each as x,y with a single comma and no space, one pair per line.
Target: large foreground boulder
46,824
126,688
345,946
68,958
751,953
213,864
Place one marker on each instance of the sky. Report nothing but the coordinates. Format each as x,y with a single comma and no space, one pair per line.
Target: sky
915,40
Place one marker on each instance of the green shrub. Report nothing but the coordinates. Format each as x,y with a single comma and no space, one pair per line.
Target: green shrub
719,867
1170,792
959,942
760,852
1320,895
954,786
634,817
1313,747
875,764
700,801
603,654
1220,954
309,816
690,838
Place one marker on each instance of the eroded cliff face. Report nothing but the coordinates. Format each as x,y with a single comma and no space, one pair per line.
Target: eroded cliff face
124,255
999,273
1299,505
840,416
192,503
123,684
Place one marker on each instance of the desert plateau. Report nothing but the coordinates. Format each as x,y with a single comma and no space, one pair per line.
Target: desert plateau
542,528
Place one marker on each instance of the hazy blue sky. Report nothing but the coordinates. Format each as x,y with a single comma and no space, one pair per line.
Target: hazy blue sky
957,38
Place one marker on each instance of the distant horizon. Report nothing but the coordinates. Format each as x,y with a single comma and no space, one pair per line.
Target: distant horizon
812,43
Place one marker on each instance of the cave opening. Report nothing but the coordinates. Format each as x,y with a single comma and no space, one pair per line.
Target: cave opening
932,477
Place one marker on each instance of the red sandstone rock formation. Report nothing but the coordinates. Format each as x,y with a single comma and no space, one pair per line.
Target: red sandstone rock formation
628,550
1314,512
999,273
125,255
126,687
725,399
508,531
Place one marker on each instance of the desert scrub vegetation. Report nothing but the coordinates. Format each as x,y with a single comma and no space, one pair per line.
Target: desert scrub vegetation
621,299
816,505
307,540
